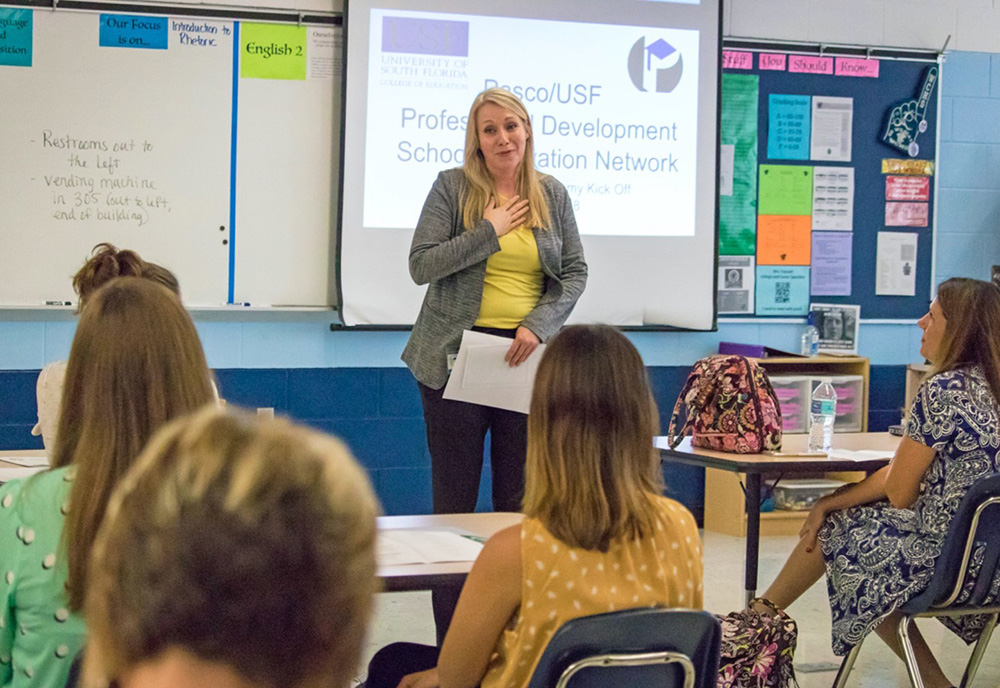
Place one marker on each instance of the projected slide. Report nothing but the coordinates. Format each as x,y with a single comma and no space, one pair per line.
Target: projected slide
614,113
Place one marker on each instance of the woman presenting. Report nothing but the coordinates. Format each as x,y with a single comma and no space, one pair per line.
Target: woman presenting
498,246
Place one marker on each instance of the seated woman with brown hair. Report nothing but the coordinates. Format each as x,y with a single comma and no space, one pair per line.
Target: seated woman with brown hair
105,264
878,540
597,534
238,552
136,362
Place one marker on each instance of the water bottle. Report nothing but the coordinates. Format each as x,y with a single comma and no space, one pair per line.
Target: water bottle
822,414
810,337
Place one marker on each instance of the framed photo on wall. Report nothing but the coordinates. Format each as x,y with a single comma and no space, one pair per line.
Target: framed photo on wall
837,325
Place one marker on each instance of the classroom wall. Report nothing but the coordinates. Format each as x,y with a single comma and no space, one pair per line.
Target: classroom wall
352,383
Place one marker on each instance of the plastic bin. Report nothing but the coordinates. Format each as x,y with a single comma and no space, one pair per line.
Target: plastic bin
801,495
850,394
793,392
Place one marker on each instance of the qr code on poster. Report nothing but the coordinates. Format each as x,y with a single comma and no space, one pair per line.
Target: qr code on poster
782,292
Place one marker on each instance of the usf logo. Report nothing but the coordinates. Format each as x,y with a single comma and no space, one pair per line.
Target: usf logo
657,66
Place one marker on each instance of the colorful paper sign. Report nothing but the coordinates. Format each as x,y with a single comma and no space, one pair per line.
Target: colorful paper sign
273,51
788,124
783,239
772,62
808,64
785,190
16,31
831,264
907,188
851,66
732,59
134,31
898,166
906,214
738,127
782,290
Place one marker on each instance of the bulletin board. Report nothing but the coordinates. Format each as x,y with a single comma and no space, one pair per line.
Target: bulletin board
814,205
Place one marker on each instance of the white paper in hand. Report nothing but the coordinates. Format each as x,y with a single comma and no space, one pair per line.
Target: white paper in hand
481,376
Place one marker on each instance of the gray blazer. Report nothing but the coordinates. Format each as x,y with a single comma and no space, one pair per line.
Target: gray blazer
452,261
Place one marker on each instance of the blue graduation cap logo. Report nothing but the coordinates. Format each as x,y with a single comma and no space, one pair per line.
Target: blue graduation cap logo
643,61
660,49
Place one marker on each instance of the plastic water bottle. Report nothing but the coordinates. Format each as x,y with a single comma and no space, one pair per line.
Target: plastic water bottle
822,414
810,338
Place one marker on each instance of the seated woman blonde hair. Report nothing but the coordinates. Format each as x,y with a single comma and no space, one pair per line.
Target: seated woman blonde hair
238,552
136,363
597,534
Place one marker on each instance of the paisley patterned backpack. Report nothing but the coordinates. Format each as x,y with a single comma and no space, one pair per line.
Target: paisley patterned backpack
729,406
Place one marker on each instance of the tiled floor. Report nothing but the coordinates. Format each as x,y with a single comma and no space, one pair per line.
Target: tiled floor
407,616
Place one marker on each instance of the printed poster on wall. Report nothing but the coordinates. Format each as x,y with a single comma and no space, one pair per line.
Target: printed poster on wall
896,264
738,129
833,198
782,290
736,285
831,128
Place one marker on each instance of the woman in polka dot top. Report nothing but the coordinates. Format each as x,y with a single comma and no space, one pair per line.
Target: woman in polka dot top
136,362
597,534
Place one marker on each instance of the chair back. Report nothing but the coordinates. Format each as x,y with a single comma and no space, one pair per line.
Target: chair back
649,647
970,558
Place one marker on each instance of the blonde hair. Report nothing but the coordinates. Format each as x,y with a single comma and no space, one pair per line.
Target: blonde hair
592,468
972,329
136,362
480,185
244,541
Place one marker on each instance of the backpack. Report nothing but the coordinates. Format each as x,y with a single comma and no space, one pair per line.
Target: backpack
757,650
729,406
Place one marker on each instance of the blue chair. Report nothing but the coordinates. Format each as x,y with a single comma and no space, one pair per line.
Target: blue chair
976,525
649,647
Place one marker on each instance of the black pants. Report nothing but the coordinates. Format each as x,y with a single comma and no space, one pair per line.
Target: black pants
456,434
393,662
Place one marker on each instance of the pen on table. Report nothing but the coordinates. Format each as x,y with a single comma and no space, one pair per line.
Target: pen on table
244,304
58,303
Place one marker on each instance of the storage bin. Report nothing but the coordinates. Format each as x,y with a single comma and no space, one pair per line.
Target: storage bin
850,395
801,495
793,393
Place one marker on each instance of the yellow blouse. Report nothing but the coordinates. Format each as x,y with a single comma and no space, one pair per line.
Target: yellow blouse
513,282
560,583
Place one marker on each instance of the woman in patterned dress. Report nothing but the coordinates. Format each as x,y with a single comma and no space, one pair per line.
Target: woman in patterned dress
878,539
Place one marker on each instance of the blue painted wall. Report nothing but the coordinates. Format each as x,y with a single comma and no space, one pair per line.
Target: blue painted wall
352,383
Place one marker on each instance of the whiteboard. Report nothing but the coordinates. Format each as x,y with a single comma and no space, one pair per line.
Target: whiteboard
224,177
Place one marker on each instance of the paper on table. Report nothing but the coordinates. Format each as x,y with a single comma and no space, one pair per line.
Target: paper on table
896,256
418,546
860,454
481,376
26,460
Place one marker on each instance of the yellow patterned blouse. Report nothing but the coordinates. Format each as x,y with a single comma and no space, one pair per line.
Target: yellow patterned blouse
560,583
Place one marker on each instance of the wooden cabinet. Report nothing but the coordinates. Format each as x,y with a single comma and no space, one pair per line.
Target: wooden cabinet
724,499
